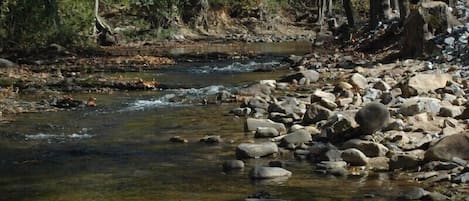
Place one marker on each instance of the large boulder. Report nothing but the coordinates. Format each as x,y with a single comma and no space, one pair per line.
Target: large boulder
372,117
424,83
256,150
5,63
448,148
259,172
253,124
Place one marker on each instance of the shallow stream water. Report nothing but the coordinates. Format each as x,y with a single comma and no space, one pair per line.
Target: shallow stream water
120,150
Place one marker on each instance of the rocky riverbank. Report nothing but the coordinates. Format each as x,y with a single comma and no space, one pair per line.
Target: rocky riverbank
408,118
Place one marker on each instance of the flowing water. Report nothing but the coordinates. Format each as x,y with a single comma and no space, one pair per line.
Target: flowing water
120,150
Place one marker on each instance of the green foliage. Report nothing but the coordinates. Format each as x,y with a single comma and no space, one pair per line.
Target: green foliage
34,23
160,13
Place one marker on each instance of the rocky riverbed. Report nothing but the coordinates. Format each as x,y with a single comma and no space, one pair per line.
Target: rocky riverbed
408,118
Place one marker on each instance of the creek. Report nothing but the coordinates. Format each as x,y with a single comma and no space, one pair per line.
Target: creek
120,150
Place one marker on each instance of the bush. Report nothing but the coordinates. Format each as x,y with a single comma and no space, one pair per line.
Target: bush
33,23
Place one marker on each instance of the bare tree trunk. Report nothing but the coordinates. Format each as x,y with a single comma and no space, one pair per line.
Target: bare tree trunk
385,10
330,8
349,12
96,11
374,7
395,5
321,11
404,10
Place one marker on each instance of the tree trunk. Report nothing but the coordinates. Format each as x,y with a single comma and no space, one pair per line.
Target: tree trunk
321,11
96,10
395,5
404,10
374,7
385,10
349,12
330,8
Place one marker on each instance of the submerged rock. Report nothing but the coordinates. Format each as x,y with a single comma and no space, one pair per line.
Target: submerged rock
214,139
414,193
260,172
178,139
233,165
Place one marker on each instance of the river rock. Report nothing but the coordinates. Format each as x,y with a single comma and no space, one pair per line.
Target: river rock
382,85
280,164
5,63
289,106
178,139
449,147
213,139
297,138
370,149
355,157
414,193
294,59
311,75
256,150
252,125
256,90
324,152
435,196
404,161
371,95
241,111
372,117
258,102
266,132
397,125
439,165
423,83
379,163
260,172
462,178
339,128
359,81
331,164
318,95
316,113
450,111
419,105
233,165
